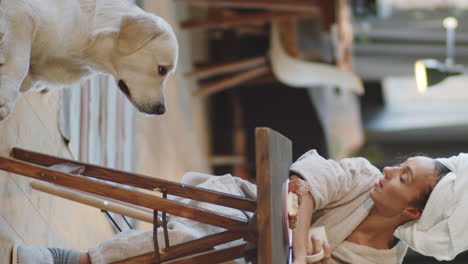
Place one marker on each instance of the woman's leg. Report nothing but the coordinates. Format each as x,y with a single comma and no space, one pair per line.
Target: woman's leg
122,246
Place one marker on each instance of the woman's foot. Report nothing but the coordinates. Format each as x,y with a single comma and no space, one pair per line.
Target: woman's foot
28,254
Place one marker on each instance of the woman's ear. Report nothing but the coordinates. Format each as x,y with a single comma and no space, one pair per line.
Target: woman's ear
412,213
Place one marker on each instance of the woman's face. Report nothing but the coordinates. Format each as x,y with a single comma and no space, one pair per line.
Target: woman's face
402,185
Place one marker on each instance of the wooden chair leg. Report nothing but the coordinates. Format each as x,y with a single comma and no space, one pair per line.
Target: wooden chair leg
187,248
139,181
273,157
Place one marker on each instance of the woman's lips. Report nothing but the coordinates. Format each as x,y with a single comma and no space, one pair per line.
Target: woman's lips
378,185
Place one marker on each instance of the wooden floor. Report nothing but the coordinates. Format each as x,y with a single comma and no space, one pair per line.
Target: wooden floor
168,146
30,216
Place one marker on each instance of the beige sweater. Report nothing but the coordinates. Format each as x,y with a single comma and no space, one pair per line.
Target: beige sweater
341,194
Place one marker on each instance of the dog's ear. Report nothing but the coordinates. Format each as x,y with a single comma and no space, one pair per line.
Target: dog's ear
136,32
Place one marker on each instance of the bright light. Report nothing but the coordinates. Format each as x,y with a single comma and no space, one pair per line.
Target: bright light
421,76
450,23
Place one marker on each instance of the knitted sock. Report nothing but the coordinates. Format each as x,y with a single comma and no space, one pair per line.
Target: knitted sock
64,256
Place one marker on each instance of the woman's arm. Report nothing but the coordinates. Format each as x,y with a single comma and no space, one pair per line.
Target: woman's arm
301,231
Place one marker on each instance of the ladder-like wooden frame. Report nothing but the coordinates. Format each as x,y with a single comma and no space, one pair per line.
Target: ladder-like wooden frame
263,234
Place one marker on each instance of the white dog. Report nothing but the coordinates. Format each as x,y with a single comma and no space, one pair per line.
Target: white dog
58,42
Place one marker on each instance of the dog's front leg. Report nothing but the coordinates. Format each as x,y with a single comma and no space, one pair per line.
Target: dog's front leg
16,67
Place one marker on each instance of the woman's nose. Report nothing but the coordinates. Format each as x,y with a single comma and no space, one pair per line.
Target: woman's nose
389,171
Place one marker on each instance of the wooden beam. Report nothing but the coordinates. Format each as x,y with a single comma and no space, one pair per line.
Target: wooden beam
140,181
227,67
290,5
258,18
232,81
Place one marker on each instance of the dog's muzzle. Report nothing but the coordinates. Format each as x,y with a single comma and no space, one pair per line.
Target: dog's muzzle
124,88
159,109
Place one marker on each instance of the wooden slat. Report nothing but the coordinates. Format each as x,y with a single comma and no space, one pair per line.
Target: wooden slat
289,5
227,67
273,158
94,201
267,79
142,199
185,249
289,37
232,81
141,181
257,18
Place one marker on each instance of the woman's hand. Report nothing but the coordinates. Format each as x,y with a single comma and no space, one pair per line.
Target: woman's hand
317,244
314,246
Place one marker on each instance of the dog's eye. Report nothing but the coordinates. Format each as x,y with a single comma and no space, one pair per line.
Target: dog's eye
162,70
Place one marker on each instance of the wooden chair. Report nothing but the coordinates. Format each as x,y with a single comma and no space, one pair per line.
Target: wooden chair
265,235
285,22
228,14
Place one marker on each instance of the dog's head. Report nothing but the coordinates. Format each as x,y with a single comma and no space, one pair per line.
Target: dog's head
146,55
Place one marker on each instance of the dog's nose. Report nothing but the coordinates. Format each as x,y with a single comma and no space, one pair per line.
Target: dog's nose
160,109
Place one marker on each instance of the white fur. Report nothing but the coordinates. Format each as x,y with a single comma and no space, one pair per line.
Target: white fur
59,42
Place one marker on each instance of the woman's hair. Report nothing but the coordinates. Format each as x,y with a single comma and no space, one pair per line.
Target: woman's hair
440,171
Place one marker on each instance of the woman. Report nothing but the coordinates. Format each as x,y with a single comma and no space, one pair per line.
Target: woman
359,206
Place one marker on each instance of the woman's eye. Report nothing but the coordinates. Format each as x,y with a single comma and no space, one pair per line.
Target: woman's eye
162,70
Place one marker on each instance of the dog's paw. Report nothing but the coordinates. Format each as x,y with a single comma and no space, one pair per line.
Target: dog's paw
6,105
